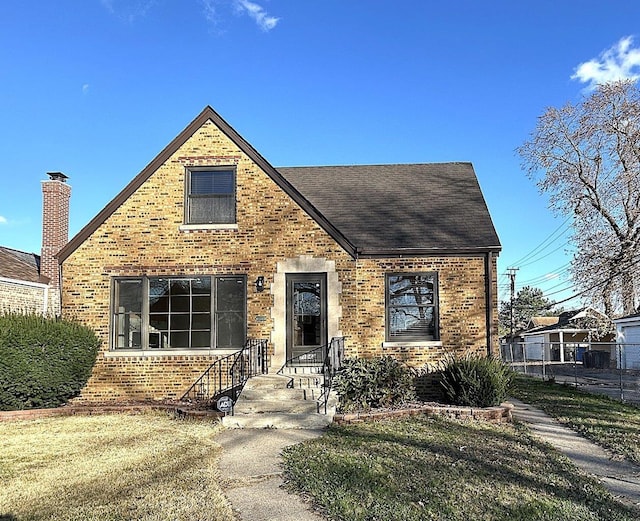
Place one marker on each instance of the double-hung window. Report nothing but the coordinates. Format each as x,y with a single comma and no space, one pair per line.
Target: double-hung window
211,196
411,307
179,312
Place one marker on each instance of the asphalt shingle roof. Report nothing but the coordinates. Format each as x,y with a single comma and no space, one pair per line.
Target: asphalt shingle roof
19,265
383,208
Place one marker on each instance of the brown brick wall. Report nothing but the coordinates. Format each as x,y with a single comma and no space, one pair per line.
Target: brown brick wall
143,237
462,307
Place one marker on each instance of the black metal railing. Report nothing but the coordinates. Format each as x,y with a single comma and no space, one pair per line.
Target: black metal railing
327,358
227,375
332,362
310,358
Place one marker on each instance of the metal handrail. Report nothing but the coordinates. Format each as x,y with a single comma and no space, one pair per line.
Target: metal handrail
250,361
314,356
329,357
227,375
332,362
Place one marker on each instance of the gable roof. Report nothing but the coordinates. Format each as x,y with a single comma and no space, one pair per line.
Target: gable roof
207,114
541,321
430,208
568,320
19,265
401,209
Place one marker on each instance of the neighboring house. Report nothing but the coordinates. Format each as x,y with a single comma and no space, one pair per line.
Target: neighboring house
211,245
628,341
512,348
568,336
30,283
535,322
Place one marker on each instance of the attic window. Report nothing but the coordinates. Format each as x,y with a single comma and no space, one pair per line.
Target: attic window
211,196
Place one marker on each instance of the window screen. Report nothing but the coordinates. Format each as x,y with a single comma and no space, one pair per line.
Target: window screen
211,197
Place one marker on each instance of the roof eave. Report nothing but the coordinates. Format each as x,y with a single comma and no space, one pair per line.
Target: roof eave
427,252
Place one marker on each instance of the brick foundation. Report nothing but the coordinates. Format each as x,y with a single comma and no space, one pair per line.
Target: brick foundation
138,378
499,414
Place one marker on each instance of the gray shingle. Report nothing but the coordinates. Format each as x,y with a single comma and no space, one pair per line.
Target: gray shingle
384,208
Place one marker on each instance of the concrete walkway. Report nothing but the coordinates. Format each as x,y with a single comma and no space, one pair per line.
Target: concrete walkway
252,476
621,478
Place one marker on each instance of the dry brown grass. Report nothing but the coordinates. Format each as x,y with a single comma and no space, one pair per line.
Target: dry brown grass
113,467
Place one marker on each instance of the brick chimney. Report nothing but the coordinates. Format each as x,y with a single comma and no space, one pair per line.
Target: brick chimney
55,224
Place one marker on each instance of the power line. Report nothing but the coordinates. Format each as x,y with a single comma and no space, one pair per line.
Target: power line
618,272
543,245
544,256
558,272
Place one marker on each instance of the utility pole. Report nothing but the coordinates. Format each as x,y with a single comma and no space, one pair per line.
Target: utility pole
512,276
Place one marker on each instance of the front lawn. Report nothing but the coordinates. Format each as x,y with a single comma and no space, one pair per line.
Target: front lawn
426,468
609,423
110,468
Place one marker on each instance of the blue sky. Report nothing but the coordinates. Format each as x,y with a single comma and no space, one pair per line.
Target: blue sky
97,88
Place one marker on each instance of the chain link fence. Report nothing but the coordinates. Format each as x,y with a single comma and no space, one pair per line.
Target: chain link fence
608,368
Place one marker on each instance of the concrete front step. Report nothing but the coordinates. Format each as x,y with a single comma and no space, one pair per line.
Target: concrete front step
277,394
306,381
264,405
268,381
267,401
277,421
301,369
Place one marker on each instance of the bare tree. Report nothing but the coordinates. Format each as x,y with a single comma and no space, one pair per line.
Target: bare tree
587,158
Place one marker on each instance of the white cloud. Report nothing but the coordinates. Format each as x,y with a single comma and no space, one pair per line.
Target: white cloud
85,88
3,220
210,13
622,61
128,10
108,4
259,15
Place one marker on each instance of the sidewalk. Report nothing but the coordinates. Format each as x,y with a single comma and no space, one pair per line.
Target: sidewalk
252,476
621,478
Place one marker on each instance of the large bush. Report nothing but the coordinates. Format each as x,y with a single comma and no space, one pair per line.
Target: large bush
362,384
43,361
475,381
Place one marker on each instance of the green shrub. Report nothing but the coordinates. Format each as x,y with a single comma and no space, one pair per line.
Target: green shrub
362,384
43,361
475,381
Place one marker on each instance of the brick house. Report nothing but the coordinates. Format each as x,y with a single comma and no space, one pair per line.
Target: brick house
211,245
30,283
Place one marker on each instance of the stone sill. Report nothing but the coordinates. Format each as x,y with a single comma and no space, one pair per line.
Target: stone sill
166,353
499,414
427,343
203,227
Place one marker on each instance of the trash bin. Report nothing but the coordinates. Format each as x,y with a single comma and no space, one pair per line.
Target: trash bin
596,359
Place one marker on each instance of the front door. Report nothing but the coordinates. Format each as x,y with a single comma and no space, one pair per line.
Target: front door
306,312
